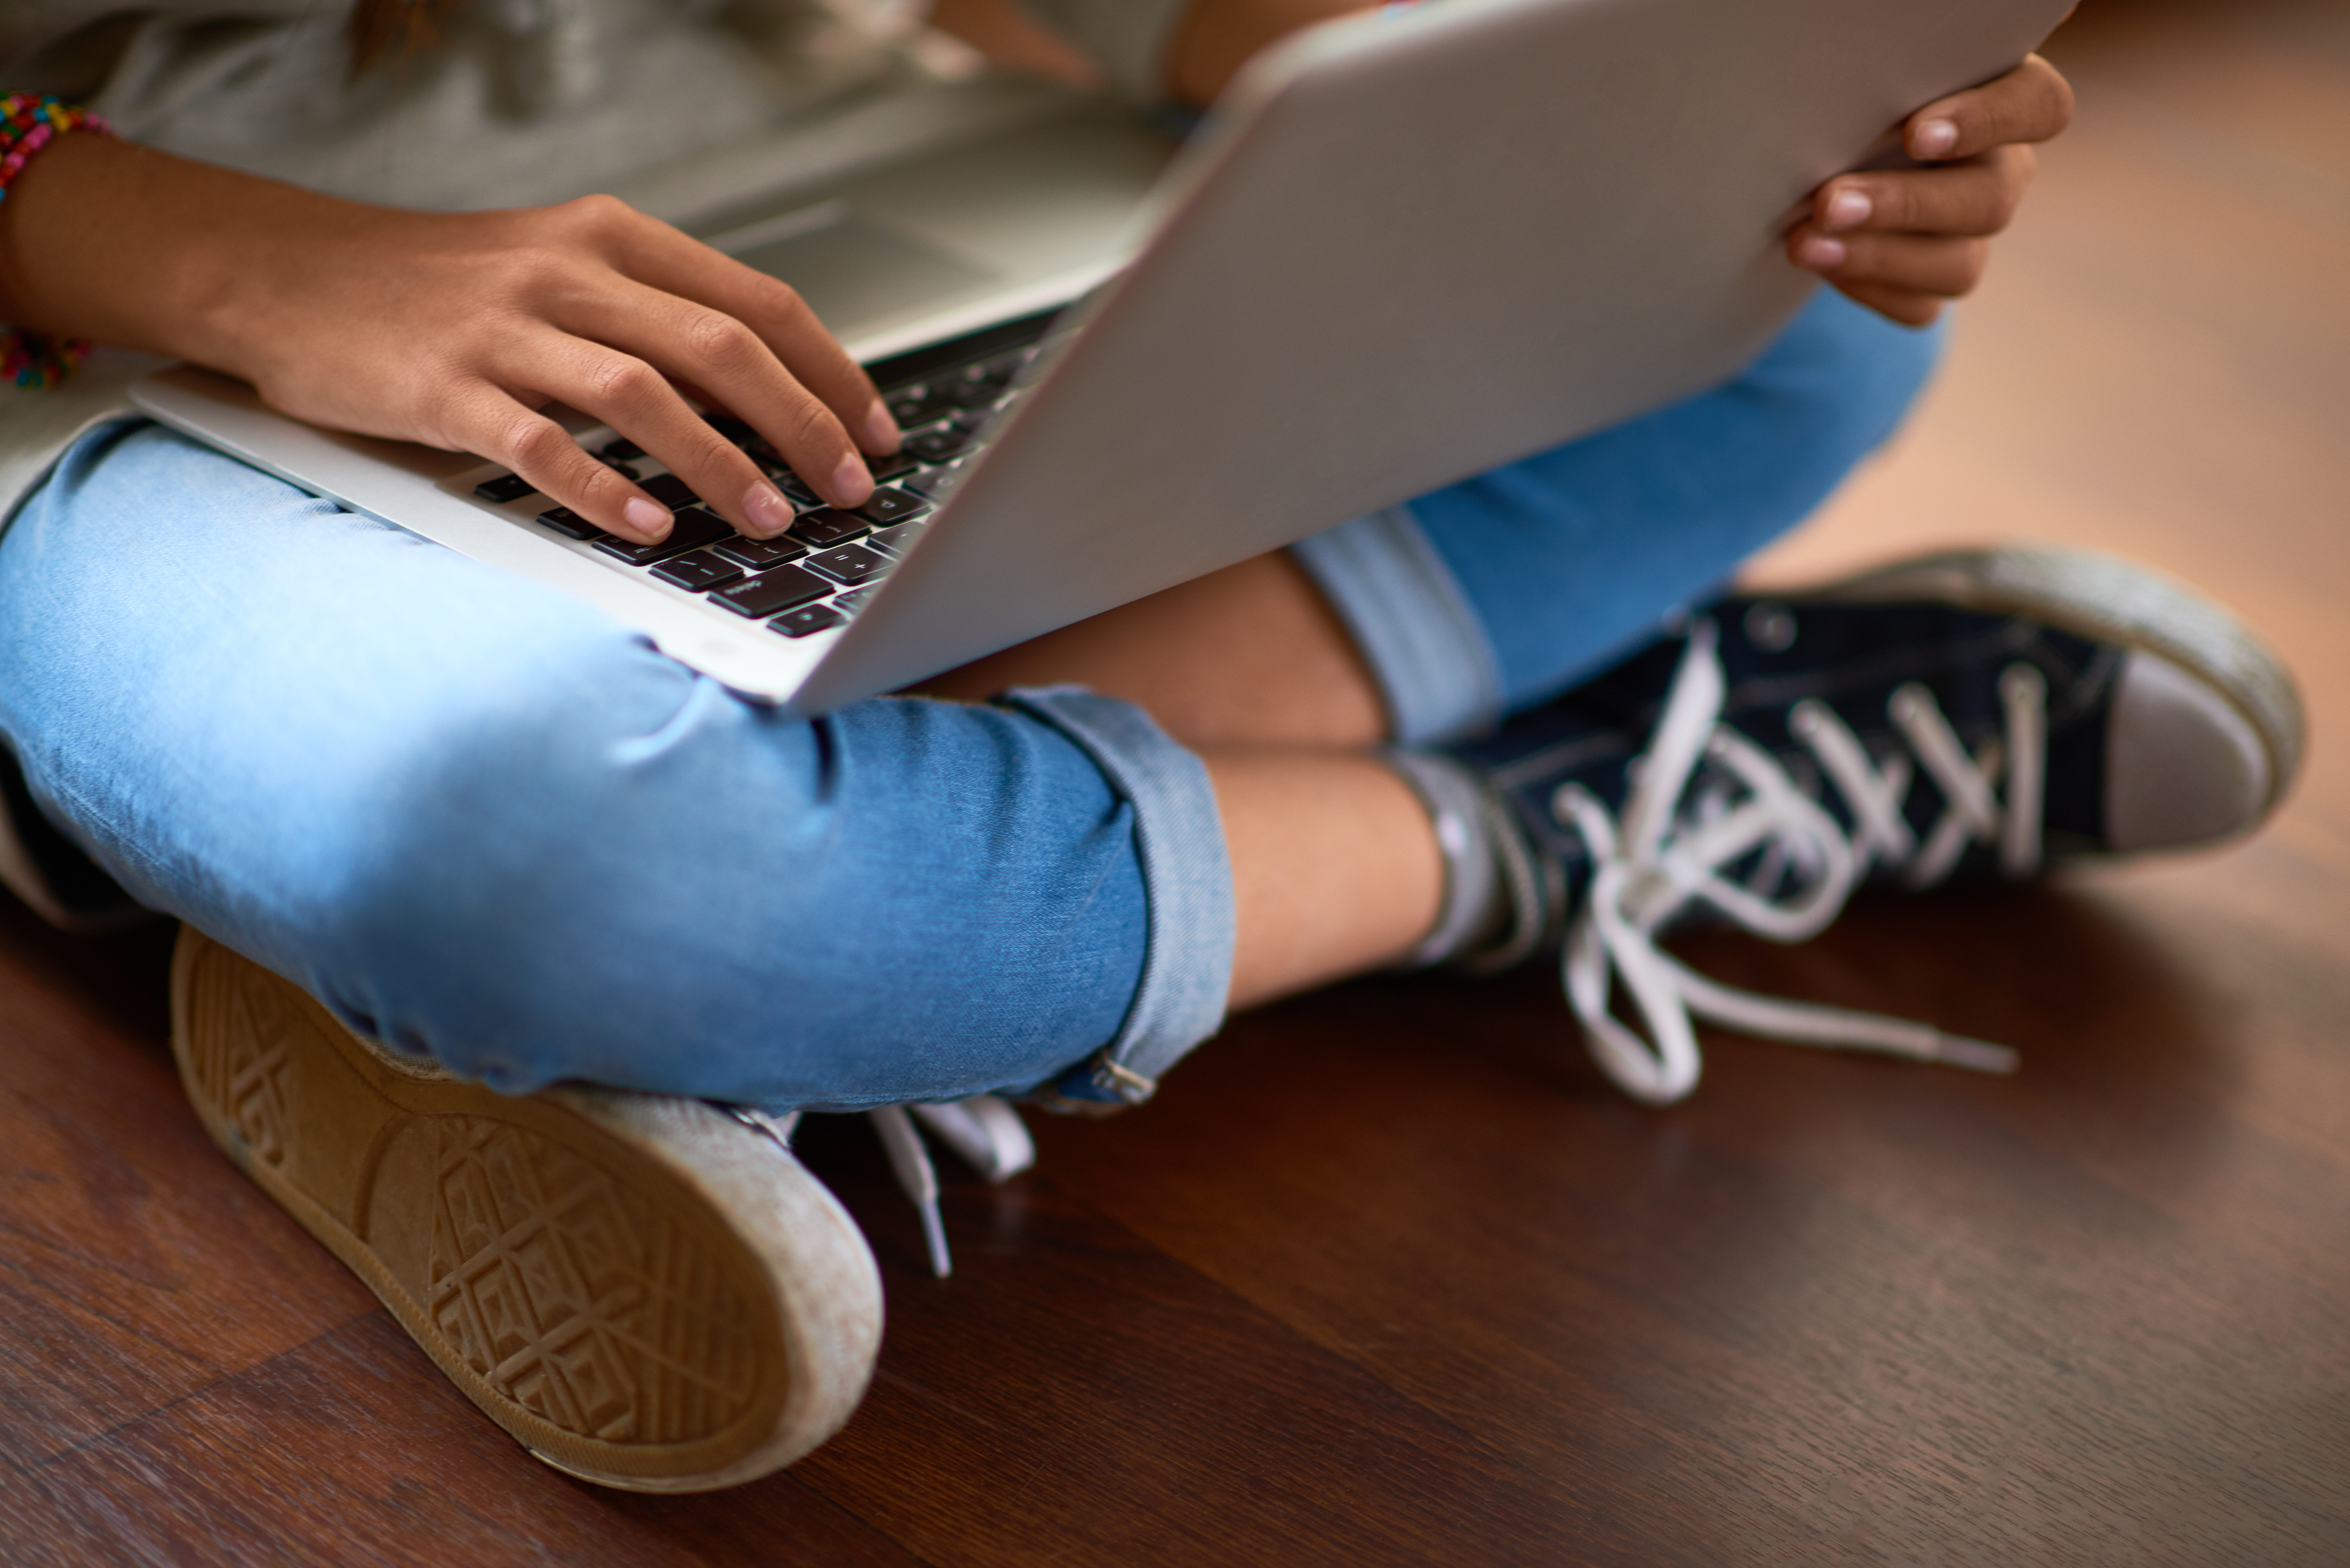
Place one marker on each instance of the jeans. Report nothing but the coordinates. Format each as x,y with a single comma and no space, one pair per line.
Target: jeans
487,824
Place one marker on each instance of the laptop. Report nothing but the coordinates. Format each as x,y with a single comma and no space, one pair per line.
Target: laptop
1405,246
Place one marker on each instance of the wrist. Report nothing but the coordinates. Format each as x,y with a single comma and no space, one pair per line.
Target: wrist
125,244
30,124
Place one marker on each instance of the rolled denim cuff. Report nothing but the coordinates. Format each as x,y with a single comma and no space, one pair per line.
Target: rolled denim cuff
1187,877
1412,622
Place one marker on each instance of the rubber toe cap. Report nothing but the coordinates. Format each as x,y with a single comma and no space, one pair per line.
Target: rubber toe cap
2182,765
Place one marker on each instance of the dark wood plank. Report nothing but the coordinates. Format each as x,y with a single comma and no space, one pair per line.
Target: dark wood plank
1388,1274
352,1449
1999,1319
1074,1392
140,1267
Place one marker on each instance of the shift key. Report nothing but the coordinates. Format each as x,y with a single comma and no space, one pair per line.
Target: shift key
771,593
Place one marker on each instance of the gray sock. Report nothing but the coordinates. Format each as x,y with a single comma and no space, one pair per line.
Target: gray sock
1477,902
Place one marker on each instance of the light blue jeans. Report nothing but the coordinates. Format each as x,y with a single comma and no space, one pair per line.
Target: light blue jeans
485,824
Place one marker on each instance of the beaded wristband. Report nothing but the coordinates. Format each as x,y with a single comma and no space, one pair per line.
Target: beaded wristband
29,122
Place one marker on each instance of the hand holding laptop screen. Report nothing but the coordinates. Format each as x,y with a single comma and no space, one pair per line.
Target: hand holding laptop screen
1901,241
1904,241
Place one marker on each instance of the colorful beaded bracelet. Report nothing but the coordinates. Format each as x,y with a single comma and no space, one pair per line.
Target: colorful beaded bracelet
29,122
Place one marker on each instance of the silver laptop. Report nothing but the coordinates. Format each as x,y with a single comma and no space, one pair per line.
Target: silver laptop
1406,246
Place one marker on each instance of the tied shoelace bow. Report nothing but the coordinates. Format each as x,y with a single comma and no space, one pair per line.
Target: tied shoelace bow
1655,862
1664,855
985,1130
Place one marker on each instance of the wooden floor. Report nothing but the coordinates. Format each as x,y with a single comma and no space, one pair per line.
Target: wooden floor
1389,1275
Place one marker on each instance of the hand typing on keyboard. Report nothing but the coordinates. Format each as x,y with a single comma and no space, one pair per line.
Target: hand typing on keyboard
454,330
959,388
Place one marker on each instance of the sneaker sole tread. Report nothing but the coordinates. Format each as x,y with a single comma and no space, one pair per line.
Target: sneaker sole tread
640,1290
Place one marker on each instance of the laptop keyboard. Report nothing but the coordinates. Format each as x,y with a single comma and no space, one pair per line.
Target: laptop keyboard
820,572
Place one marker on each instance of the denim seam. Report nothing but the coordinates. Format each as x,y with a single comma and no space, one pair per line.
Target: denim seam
1412,623
1186,876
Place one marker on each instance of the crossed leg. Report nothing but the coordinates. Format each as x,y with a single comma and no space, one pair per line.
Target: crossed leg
485,823
1336,869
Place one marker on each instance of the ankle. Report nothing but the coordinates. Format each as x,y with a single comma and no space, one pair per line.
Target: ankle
1493,911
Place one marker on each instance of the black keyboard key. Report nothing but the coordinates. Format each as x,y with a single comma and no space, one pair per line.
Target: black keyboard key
758,554
939,482
692,529
671,491
793,485
911,406
827,526
968,391
701,570
505,487
939,445
849,604
886,506
805,622
620,448
786,588
898,540
850,564
733,429
570,525
897,466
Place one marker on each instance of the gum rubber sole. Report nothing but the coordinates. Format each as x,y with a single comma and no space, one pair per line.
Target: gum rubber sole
2107,600
640,1290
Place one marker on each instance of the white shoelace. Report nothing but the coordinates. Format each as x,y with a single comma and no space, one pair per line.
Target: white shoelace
1667,853
984,1129
1663,854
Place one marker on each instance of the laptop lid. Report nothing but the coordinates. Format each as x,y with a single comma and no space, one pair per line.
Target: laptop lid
1409,246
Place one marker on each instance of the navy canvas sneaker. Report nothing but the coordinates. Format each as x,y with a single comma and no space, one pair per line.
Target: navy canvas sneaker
1982,714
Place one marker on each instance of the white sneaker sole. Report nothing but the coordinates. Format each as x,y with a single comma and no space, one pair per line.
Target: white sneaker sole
645,1293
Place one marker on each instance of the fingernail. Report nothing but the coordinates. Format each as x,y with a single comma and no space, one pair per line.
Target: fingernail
647,517
853,480
1933,138
768,510
1821,253
1848,210
881,430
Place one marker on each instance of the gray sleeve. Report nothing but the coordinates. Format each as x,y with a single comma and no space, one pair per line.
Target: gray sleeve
1127,39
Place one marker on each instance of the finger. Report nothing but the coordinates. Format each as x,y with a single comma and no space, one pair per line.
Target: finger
1904,305
636,400
1947,268
664,258
2031,103
775,310
732,365
491,422
1976,198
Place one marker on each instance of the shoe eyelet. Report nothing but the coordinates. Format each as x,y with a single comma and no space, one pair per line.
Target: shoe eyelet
1771,627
